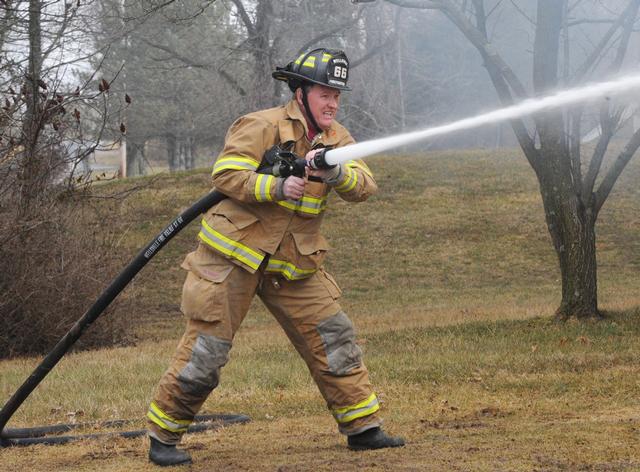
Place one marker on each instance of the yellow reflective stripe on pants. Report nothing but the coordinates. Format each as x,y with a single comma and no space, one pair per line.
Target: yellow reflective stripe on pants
263,187
288,270
234,163
163,420
228,246
364,408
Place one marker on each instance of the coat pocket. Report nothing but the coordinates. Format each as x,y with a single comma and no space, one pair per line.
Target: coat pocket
230,222
311,249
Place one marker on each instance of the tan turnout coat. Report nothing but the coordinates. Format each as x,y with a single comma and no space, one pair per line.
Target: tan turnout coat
252,223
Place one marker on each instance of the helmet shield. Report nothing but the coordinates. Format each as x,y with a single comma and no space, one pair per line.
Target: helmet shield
321,66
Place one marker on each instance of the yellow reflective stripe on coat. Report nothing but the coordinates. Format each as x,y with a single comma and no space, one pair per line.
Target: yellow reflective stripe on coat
234,163
288,270
228,246
350,181
309,205
326,57
163,420
364,408
360,165
263,187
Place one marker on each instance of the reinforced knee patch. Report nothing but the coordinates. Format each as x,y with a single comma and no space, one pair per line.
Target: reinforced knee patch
202,373
339,339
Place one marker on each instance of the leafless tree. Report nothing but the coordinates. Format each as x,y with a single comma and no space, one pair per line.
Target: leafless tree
49,124
572,193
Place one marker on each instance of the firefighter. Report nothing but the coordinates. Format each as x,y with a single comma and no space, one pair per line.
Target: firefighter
265,239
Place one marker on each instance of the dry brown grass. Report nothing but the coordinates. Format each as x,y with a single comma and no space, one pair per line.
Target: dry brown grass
451,280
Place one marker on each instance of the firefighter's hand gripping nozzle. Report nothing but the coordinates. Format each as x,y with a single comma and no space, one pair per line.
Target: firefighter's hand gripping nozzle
319,161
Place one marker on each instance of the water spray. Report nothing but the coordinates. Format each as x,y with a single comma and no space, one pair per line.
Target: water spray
524,108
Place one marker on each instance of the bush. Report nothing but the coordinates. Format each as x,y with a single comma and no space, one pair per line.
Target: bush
55,265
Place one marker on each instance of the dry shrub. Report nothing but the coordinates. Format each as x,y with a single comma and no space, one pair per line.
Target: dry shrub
54,266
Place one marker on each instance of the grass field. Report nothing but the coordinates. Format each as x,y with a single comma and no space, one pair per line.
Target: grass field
450,278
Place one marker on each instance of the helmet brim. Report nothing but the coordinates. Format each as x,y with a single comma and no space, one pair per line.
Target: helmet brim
286,75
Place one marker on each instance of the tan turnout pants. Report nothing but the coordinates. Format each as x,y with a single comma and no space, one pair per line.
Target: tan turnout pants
216,297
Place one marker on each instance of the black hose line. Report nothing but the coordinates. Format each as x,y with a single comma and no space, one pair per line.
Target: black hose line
38,435
107,296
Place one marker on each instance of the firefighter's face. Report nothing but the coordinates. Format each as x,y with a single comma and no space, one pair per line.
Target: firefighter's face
323,104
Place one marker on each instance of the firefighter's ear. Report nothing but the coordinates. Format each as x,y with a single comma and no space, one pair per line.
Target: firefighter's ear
298,95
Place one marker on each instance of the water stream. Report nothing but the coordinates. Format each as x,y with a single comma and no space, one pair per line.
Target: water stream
527,107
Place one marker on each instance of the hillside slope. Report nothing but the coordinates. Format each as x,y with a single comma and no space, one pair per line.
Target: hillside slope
450,278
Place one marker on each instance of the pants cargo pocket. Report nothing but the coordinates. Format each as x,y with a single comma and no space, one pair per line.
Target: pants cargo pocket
205,298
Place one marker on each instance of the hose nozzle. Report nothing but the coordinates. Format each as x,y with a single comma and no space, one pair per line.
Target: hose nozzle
319,161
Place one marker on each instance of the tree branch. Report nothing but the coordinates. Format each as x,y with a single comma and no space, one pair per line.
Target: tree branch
245,18
590,21
175,55
616,169
626,35
600,47
522,12
419,4
609,123
607,126
503,78
330,33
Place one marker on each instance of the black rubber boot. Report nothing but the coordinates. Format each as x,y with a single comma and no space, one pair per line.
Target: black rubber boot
373,438
167,454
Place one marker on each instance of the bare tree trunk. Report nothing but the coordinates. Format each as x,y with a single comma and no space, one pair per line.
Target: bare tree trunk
259,40
262,54
31,171
572,229
181,155
171,152
189,160
135,158
570,223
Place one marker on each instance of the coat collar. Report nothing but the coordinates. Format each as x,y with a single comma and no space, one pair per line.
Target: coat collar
294,127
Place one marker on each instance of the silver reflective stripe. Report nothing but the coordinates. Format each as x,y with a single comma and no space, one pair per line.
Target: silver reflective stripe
309,205
312,205
228,246
263,185
351,179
